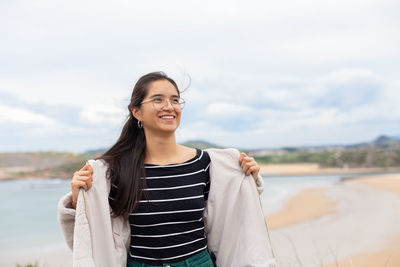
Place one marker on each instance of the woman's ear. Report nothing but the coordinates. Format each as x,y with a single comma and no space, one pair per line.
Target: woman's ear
137,113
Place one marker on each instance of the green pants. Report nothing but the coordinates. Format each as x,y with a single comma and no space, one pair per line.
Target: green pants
200,259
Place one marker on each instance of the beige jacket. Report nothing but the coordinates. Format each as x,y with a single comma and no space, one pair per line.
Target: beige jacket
234,221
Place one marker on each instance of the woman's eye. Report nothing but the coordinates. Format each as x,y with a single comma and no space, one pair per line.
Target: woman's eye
157,99
175,100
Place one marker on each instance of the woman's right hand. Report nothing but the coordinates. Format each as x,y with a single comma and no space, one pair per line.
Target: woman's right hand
82,178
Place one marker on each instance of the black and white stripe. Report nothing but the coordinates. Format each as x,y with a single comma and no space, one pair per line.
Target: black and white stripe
152,166
169,225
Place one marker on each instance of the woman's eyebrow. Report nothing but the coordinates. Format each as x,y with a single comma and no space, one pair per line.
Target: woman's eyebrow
162,95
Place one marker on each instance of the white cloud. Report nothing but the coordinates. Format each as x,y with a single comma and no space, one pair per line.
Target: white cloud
224,109
24,116
201,130
102,114
260,70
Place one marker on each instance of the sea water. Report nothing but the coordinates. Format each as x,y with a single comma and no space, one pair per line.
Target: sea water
28,208
28,211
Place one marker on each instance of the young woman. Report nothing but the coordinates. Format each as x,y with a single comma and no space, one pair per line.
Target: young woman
157,192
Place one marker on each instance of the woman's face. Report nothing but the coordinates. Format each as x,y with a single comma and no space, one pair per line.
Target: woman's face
157,118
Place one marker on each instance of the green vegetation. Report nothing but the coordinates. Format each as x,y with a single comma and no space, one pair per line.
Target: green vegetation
28,265
383,152
78,161
42,164
352,158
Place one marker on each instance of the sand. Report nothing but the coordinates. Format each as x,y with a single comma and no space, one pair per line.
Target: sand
390,256
55,255
310,204
390,182
315,168
289,168
352,223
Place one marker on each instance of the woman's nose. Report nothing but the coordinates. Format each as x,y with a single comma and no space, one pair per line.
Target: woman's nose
168,104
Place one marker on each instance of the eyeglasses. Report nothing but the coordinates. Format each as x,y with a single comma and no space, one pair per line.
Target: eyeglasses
159,102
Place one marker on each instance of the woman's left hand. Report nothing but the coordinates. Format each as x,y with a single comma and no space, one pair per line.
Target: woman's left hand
249,165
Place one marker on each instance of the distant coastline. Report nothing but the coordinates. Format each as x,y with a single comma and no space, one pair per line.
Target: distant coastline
20,173
381,155
31,165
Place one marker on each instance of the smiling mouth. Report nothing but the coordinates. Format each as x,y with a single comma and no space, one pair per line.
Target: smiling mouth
167,117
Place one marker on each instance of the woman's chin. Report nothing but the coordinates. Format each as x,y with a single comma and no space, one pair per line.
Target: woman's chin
167,128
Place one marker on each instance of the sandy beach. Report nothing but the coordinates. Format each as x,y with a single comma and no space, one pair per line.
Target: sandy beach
315,168
310,204
351,223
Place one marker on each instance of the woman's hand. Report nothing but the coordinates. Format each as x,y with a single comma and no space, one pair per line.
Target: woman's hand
249,165
82,178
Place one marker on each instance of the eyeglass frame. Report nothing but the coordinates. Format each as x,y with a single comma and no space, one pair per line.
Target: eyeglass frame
181,105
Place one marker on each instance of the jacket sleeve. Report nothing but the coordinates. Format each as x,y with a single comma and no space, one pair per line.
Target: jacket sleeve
234,221
66,218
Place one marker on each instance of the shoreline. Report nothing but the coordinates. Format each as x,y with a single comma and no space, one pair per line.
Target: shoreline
315,205
11,176
7,174
388,255
331,225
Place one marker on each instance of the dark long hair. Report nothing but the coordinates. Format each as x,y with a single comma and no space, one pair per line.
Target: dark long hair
125,159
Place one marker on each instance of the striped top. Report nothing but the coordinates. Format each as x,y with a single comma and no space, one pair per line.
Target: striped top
169,227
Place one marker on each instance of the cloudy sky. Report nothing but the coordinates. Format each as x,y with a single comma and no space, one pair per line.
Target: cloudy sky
264,74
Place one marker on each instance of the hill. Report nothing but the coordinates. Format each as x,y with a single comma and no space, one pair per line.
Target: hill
41,164
383,152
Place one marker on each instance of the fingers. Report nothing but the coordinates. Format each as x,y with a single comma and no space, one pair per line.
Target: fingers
82,178
83,173
87,167
248,167
247,160
85,179
253,170
79,184
86,170
248,164
242,155
78,180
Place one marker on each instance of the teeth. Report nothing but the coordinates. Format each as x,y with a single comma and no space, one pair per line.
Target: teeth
167,117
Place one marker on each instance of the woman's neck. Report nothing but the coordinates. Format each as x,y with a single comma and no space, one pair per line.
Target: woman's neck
161,149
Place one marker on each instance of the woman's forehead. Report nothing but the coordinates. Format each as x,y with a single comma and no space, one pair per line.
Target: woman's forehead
162,87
